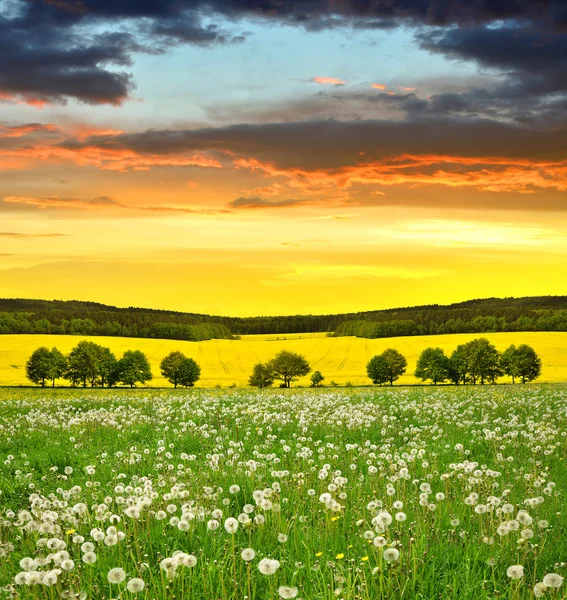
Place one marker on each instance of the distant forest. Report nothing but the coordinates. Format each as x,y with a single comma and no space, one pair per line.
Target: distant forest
539,313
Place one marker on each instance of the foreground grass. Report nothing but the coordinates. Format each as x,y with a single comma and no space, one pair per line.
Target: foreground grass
358,494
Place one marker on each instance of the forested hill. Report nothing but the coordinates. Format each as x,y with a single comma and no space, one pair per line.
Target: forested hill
538,313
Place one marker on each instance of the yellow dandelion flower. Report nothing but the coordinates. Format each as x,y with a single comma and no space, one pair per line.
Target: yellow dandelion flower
70,532
339,556
318,553
364,558
334,518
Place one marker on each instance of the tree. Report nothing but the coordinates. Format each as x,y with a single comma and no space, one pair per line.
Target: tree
377,369
171,367
458,365
134,367
396,364
108,367
189,372
83,364
289,366
522,361
39,367
262,376
433,364
509,363
316,379
59,362
483,360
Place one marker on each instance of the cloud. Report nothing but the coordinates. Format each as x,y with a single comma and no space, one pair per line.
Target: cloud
20,236
44,202
258,202
54,51
378,86
183,210
327,81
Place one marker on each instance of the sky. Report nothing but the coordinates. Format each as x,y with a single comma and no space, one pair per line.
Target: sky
254,157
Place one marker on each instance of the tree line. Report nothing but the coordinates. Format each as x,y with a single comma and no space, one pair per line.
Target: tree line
92,365
544,313
477,361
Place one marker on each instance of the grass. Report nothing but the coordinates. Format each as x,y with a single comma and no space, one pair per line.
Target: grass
309,474
227,362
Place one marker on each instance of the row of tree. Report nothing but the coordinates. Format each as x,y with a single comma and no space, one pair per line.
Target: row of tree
90,364
477,361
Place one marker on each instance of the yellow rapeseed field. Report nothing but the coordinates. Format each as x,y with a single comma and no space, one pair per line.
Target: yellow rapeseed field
227,362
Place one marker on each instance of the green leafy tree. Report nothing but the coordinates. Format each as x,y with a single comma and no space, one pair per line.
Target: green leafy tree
528,363
509,363
316,379
458,365
134,367
434,365
377,369
189,372
483,361
171,367
108,367
262,376
289,366
59,362
39,367
83,364
396,362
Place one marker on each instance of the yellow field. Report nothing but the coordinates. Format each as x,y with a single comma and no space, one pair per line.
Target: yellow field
228,362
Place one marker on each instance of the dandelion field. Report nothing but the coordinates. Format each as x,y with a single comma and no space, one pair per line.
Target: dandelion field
315,494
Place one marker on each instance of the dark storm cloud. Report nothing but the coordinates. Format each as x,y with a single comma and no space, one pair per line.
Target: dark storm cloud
49,52
332,144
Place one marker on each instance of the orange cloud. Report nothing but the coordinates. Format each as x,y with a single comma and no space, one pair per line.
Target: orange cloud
407,89
29,100
18,131
378,86
327,81
490,174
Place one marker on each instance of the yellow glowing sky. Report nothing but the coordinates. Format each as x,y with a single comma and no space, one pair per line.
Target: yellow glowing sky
290,170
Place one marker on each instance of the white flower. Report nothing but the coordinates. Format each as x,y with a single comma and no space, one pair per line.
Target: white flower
282,537
67,564
89,558
248,554
515,572
135,585
268,566
116,575
553,580
287,591
539,589
231,525
391,554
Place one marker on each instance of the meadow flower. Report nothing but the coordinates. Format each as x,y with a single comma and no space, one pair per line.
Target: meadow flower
135,585
268,566
553,580
287,591
231,525
248,554
89,558
116,575
391,554
515,572
539,589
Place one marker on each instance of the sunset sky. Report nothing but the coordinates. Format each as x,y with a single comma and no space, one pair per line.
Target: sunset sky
245,157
